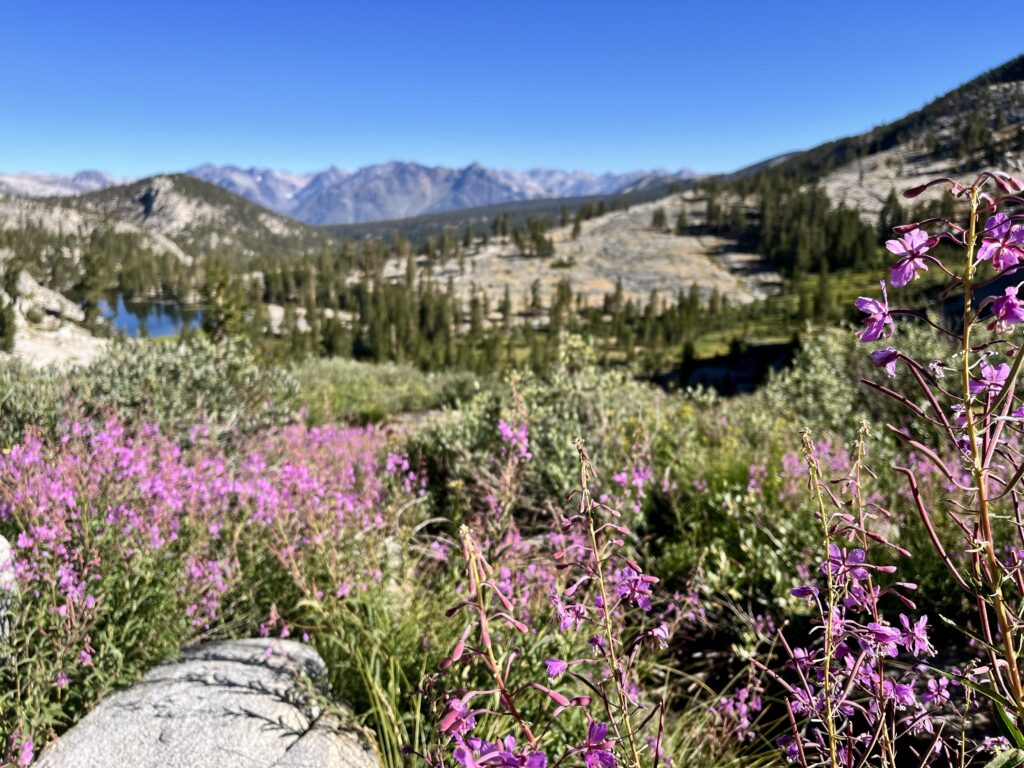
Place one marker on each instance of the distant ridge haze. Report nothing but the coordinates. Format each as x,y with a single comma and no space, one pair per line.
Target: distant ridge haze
377,192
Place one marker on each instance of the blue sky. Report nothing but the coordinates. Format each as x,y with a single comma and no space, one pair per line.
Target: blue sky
136,88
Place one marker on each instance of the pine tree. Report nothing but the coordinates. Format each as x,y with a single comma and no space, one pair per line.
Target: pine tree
659,220
7,326
737,220
823,296
681,221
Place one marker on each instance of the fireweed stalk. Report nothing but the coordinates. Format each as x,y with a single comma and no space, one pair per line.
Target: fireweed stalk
509,719
858,695
855,690
127,546
979,419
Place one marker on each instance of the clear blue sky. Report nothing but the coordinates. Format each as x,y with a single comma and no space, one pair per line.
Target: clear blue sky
135,88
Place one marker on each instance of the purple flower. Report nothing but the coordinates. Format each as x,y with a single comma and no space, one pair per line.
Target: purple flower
27,753
661,634
597,748
1008,309
843,562
959,415
886,358
636,588
879,321
458,719
885,637
992,379
805,592
903,693
569,615
516,438
915,636
938,690
500,755
464,755
910,248
556,667
1004,244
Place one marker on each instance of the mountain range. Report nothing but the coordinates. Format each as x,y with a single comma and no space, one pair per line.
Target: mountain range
54,223
375,193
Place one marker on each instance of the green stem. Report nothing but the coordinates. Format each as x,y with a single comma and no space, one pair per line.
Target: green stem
476,585
980,474
586,502
610,639
830,725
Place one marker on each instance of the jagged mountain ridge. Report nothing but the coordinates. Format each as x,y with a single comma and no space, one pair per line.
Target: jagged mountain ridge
267,187
182,215
375,193
399,190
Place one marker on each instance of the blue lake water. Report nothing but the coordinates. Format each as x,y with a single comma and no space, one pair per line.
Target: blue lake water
149,318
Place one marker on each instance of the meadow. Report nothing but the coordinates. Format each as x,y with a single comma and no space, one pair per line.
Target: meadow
827,571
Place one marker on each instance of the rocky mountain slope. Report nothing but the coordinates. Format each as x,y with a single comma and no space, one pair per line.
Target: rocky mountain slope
621,247
59,226
976,126
202,218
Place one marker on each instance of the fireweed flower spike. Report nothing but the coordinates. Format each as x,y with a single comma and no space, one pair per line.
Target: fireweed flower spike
879,322
972,516
590,609
846,701
910,248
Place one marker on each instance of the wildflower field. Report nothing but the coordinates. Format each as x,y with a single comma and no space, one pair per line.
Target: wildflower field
568,569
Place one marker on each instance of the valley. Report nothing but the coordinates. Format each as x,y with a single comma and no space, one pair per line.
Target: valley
312,457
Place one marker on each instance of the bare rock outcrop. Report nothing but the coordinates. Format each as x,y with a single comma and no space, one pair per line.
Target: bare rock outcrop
232,704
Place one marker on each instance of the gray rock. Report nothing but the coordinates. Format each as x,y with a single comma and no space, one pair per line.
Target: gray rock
222,705
31,295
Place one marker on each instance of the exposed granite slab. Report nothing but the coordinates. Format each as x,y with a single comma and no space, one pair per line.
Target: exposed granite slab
221,705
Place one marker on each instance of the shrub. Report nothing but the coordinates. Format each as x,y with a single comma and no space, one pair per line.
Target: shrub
177,385
575,399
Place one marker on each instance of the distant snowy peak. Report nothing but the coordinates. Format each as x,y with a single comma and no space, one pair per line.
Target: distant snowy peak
398,189
544,182
272,189
52,185
385,191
